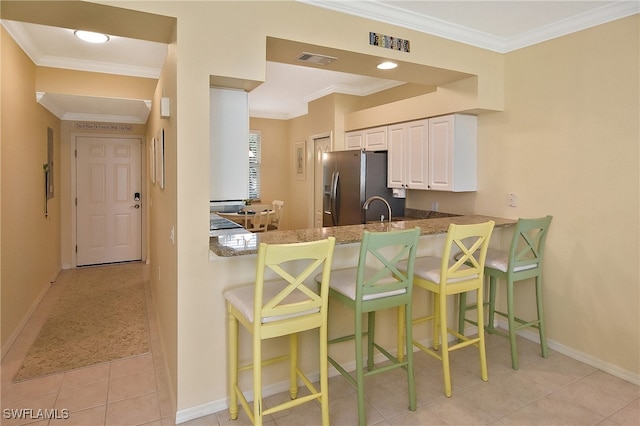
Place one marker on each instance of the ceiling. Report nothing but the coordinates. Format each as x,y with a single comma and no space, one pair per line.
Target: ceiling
501,26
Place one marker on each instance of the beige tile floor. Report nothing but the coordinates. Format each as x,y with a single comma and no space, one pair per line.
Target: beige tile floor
133,391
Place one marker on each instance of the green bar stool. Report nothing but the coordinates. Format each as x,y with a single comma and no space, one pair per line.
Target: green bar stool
376,284
522,262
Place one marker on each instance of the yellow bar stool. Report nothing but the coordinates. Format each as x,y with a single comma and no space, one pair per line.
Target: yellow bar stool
522,262
281,307
376,284
445,276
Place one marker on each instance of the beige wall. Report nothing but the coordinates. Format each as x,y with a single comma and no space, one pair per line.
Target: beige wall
30,240
562,99
274,183
567,145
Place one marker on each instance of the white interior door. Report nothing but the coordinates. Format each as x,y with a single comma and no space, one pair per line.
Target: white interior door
108,215
321,146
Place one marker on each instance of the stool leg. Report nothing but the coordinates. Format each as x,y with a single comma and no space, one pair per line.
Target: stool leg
293,365
371,333
442,320
360,371
481,343
436,321
257,380
543,338
407,329
462,312
324,374
492,304
400,311
233,365
512,325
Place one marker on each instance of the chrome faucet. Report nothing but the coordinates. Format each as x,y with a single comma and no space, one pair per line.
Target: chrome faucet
365,206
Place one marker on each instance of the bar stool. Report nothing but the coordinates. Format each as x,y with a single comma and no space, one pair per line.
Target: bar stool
286,306
444,276
522,262
376,284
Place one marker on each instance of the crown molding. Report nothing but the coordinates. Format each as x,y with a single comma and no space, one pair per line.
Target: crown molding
97,66
592,18
388,13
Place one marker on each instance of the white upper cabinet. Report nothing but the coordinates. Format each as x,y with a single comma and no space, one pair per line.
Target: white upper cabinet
437,154
408,155
354,140
374,139
229,145
453,153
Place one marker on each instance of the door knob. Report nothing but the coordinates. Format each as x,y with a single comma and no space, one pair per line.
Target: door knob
136,206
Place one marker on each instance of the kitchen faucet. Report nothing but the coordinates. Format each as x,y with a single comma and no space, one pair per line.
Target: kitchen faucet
365,206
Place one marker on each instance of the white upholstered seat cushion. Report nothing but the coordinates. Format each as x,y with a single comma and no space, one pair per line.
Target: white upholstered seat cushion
344,282
428,268
499,259
242,298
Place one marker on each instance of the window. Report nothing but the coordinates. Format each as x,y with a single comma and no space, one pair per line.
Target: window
254,164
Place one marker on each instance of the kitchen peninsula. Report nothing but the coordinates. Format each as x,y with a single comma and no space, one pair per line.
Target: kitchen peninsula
245,244
232,260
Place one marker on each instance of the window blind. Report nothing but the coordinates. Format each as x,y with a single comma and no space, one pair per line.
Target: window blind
254,164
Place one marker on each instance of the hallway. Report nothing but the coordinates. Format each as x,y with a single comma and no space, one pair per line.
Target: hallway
127,391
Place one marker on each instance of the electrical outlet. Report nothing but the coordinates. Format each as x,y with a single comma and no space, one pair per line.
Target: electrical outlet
434,206
512,200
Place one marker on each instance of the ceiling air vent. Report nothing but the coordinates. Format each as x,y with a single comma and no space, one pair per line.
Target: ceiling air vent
315,58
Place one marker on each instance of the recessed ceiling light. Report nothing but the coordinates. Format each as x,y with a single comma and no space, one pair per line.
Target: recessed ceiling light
91,37
387,65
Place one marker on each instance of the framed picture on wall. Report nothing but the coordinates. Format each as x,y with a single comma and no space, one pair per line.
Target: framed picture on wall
300,160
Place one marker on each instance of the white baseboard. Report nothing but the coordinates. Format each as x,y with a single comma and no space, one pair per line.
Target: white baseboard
614,370
223,404
25,319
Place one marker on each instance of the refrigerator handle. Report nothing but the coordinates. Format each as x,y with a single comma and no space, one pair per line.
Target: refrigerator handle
334,197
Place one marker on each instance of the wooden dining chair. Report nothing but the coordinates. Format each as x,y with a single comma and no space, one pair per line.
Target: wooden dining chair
278,212
258,221
284,306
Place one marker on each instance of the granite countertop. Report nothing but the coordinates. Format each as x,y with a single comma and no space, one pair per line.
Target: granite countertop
242,244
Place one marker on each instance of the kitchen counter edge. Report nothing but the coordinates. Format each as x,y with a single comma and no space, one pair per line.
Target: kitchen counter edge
352,233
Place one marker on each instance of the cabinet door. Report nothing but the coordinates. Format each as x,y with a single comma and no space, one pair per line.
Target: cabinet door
417,155
396,156
453,153
375,139
441,153
354,140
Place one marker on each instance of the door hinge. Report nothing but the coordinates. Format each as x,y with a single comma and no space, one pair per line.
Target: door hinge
75,153
76,249
76,201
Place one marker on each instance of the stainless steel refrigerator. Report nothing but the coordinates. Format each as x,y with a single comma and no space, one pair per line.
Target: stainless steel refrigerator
350,178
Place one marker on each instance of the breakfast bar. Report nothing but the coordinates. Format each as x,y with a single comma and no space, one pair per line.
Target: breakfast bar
232,260
247,243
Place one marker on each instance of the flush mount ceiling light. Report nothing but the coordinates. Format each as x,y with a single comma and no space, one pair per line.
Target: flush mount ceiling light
387,65
91,37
